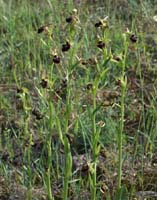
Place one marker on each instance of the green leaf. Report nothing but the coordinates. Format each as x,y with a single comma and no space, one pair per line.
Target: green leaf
59,130
121,194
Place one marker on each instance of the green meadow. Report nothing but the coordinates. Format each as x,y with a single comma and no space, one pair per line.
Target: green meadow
78,100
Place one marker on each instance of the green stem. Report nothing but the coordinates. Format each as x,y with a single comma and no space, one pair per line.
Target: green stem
67,150
120,143
94,146
122,110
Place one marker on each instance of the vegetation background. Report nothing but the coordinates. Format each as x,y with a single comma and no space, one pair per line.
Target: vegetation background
78,99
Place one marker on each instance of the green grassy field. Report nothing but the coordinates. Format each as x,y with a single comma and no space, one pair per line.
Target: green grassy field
78,100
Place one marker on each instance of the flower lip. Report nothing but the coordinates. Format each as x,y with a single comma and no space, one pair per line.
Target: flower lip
56,59
133,38
101,44
69,19
66,46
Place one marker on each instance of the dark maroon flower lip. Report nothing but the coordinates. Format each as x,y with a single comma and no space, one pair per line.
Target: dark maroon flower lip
37,114
66,46
98,24
69,19
56,59
44,83
41,29
101,44
133,38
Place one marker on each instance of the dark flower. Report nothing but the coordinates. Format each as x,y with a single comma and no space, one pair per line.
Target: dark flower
101,44
83,62
98,24
102,23
64,83
66,46
89,86
69,19
56,59
133,38
44,83
37,114
19,90
73,18
42,29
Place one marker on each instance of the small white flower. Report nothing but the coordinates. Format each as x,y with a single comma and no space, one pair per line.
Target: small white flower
155,18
